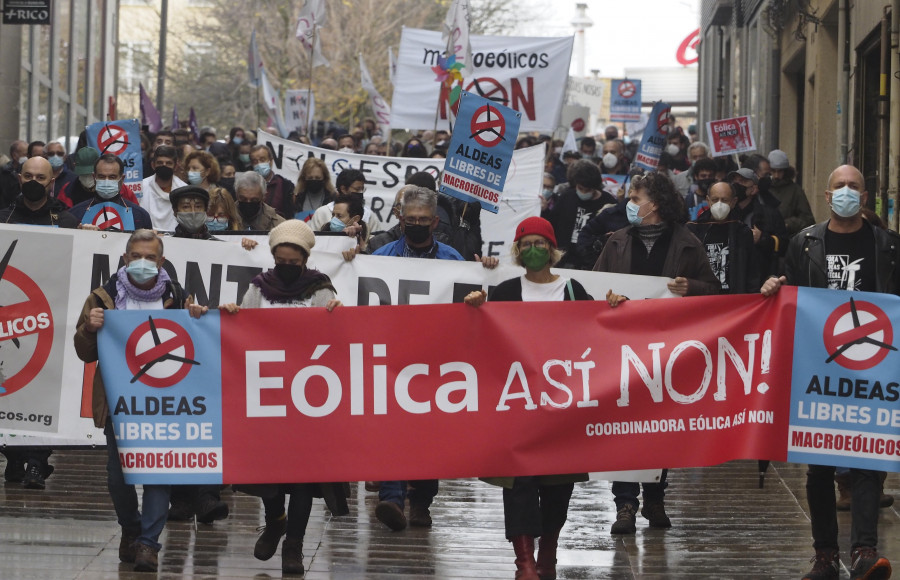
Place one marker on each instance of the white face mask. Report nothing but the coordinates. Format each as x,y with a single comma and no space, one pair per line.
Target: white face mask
672,149
610,160
719,210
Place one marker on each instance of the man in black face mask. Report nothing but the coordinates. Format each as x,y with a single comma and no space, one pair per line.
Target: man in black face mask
794,206
255,213
759,211
418,219
35,206
704,173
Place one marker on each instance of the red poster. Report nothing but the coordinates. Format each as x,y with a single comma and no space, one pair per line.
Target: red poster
727,136
446,391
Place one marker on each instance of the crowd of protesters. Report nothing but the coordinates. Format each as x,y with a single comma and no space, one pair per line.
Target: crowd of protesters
710,225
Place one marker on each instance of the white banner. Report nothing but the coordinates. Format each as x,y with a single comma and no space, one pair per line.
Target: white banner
525,74
299,108
47,389
386,175
587,92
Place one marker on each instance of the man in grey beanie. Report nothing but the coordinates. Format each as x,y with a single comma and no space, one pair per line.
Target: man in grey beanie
794,206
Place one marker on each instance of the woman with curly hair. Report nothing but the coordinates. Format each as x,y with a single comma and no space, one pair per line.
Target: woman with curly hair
655,243
202,169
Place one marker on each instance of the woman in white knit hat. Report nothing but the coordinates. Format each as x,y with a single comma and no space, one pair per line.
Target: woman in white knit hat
289,284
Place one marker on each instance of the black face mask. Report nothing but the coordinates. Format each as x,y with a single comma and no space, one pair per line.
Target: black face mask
417,234
288,273
165,173
314,186
248,209
704,184
765,183
33,191
740,191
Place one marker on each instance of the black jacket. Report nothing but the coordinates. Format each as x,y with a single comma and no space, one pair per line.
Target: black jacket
52,213
743,268
767,218
596,231
563,216
805,264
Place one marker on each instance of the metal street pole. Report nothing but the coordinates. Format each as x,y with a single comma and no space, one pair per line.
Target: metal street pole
161,67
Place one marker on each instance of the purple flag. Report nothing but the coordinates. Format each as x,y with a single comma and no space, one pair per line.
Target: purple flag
195,128
175,123
149,115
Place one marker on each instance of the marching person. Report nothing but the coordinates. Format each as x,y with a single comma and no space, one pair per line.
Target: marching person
819,257
535,506
655,244
141,283
290,284
109,172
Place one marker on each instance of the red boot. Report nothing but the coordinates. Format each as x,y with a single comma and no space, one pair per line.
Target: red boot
524,547
546,560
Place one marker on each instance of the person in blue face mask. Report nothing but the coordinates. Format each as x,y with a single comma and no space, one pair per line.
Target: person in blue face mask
55,153
655,244
279,192
141,284
845,252
109,172
346,218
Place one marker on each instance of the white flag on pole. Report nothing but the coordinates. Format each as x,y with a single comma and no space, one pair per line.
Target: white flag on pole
456,34
312,19
569,144
380,107
392,63
272,103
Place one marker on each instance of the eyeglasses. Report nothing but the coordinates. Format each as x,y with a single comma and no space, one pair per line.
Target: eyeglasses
54,154
535,243
419,221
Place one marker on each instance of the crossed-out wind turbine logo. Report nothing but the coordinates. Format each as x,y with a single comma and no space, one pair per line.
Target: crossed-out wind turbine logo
858,335
166,360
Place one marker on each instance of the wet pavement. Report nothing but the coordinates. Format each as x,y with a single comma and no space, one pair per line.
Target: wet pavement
724,526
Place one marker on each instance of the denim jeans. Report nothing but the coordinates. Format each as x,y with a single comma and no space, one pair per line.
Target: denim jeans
421,494
147,525
863,511
626,492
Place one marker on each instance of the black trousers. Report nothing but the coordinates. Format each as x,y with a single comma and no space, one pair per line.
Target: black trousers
530,509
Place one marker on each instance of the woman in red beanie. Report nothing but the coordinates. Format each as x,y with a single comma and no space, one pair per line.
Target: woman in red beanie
535,506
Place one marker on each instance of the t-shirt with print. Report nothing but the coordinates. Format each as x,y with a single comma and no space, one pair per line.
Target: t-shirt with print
716,242
850,260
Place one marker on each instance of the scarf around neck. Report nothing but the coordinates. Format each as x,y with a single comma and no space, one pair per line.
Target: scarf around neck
126,289
274,289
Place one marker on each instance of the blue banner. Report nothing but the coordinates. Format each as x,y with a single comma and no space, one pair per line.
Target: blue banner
109,216
480,151
121,138
163,373
654,141
844,389
625,100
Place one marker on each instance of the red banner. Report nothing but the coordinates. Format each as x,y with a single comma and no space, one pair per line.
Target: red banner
445,391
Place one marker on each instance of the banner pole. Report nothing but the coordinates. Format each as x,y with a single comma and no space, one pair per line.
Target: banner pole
437,110
312,62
